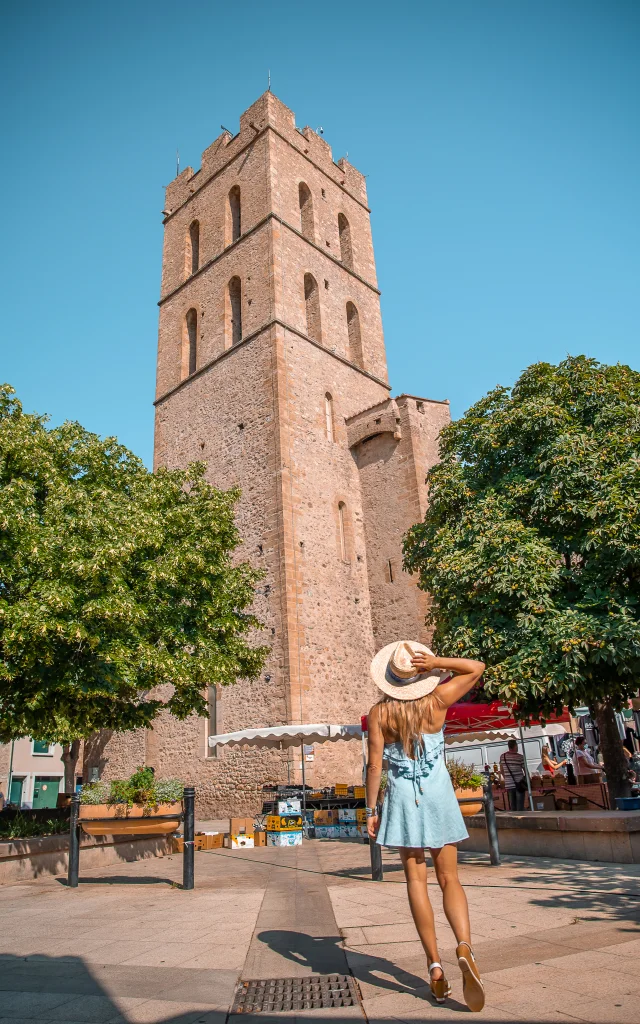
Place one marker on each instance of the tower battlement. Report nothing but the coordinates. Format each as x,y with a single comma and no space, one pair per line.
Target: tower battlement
268,112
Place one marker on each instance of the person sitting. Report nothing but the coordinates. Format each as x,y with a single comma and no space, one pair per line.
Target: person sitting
583,761
548,763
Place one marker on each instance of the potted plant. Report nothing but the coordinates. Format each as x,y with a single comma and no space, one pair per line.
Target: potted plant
467,782
140,805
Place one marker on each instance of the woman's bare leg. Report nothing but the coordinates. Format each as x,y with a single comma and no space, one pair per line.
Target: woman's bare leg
415,870
445,861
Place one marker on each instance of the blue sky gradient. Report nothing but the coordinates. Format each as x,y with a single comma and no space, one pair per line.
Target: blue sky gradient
501,142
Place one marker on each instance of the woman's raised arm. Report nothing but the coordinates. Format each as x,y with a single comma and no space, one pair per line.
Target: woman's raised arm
466,675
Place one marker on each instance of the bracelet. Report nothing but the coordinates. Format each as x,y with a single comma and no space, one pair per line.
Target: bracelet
371,812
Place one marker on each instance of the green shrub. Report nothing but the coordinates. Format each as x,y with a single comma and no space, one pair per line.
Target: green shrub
141,788
464,776
23,827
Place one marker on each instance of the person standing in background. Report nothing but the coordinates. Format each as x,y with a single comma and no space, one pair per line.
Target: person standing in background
515,782
583,762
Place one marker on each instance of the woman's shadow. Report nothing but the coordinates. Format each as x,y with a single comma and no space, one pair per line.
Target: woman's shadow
325,955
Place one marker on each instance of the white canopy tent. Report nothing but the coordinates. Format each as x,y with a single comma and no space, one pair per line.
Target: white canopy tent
284,736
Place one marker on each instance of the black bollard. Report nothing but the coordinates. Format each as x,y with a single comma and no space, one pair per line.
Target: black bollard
74,843
375,852
189,798
491,823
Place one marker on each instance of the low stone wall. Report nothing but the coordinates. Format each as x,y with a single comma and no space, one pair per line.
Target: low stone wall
25,859
611,836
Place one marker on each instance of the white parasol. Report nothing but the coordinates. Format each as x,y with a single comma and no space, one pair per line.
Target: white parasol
283,736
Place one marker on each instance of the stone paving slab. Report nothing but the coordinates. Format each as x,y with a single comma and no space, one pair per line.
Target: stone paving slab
557,941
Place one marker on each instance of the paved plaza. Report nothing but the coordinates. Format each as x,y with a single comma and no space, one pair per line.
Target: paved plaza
556,940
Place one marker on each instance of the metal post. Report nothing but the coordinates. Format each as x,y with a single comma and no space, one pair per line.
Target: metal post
491,823
375,852
74,843
526,769
304,788
189,798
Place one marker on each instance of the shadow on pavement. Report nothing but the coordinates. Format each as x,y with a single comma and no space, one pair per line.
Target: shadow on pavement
65,990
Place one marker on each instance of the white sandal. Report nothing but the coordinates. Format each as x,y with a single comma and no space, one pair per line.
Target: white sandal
440,988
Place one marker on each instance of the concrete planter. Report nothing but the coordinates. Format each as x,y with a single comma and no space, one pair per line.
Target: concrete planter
22,860
465,794
121,820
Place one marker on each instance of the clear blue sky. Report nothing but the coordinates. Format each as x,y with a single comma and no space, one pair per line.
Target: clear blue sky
501,140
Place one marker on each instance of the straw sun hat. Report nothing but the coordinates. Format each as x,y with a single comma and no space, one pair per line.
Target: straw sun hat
393,672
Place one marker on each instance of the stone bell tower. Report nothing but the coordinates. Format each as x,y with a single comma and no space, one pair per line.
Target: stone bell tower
272,369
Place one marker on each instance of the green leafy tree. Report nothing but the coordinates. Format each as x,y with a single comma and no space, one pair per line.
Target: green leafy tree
113,581
530,547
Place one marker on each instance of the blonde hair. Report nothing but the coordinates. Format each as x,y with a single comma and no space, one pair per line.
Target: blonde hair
404,720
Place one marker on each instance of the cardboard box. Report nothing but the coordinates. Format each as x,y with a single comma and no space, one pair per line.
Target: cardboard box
544,802
346,814
361,815
240,826
348,831
284,822
284,838
259,838
291,805
202,841
360,792
362,829
325,817
242,842
327,831
577,803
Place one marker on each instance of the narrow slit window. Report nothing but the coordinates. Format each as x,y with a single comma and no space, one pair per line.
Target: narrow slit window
191,341
354,335
306,211
341,528
344,231
235,310
193,247
328,413
234,215
312,307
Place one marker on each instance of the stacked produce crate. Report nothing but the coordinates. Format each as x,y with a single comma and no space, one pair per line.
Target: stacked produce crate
285,827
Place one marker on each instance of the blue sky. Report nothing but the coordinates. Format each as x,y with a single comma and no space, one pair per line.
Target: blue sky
501,140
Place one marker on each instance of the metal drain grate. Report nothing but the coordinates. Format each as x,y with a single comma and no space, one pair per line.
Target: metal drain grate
317,991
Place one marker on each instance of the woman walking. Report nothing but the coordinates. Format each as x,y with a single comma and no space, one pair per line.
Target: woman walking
420,809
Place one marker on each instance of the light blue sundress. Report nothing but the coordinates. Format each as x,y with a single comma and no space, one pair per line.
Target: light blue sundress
420,807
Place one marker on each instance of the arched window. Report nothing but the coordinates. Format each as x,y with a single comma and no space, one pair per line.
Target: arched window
191,341
193,248
306,212
234,332
233,227
346,252
312,307
342,534
328,416
355,339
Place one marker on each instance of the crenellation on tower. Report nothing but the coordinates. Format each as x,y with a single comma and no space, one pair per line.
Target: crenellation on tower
272,369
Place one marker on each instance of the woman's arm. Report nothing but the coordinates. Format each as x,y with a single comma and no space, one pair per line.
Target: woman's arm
375,750
467,673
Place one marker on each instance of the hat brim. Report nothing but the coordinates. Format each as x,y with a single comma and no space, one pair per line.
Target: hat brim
420,687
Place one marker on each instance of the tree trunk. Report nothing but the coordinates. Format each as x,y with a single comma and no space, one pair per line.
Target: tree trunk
615,763
70,755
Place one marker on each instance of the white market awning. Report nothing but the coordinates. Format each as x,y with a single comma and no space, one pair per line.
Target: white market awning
497,735
283,736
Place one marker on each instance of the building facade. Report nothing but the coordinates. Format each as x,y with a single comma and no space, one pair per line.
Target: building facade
31,773
272,369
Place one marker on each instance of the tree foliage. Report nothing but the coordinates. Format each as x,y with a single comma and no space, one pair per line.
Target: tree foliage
530,547
113,581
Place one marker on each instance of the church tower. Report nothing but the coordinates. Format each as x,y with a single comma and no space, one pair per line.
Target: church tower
272,370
